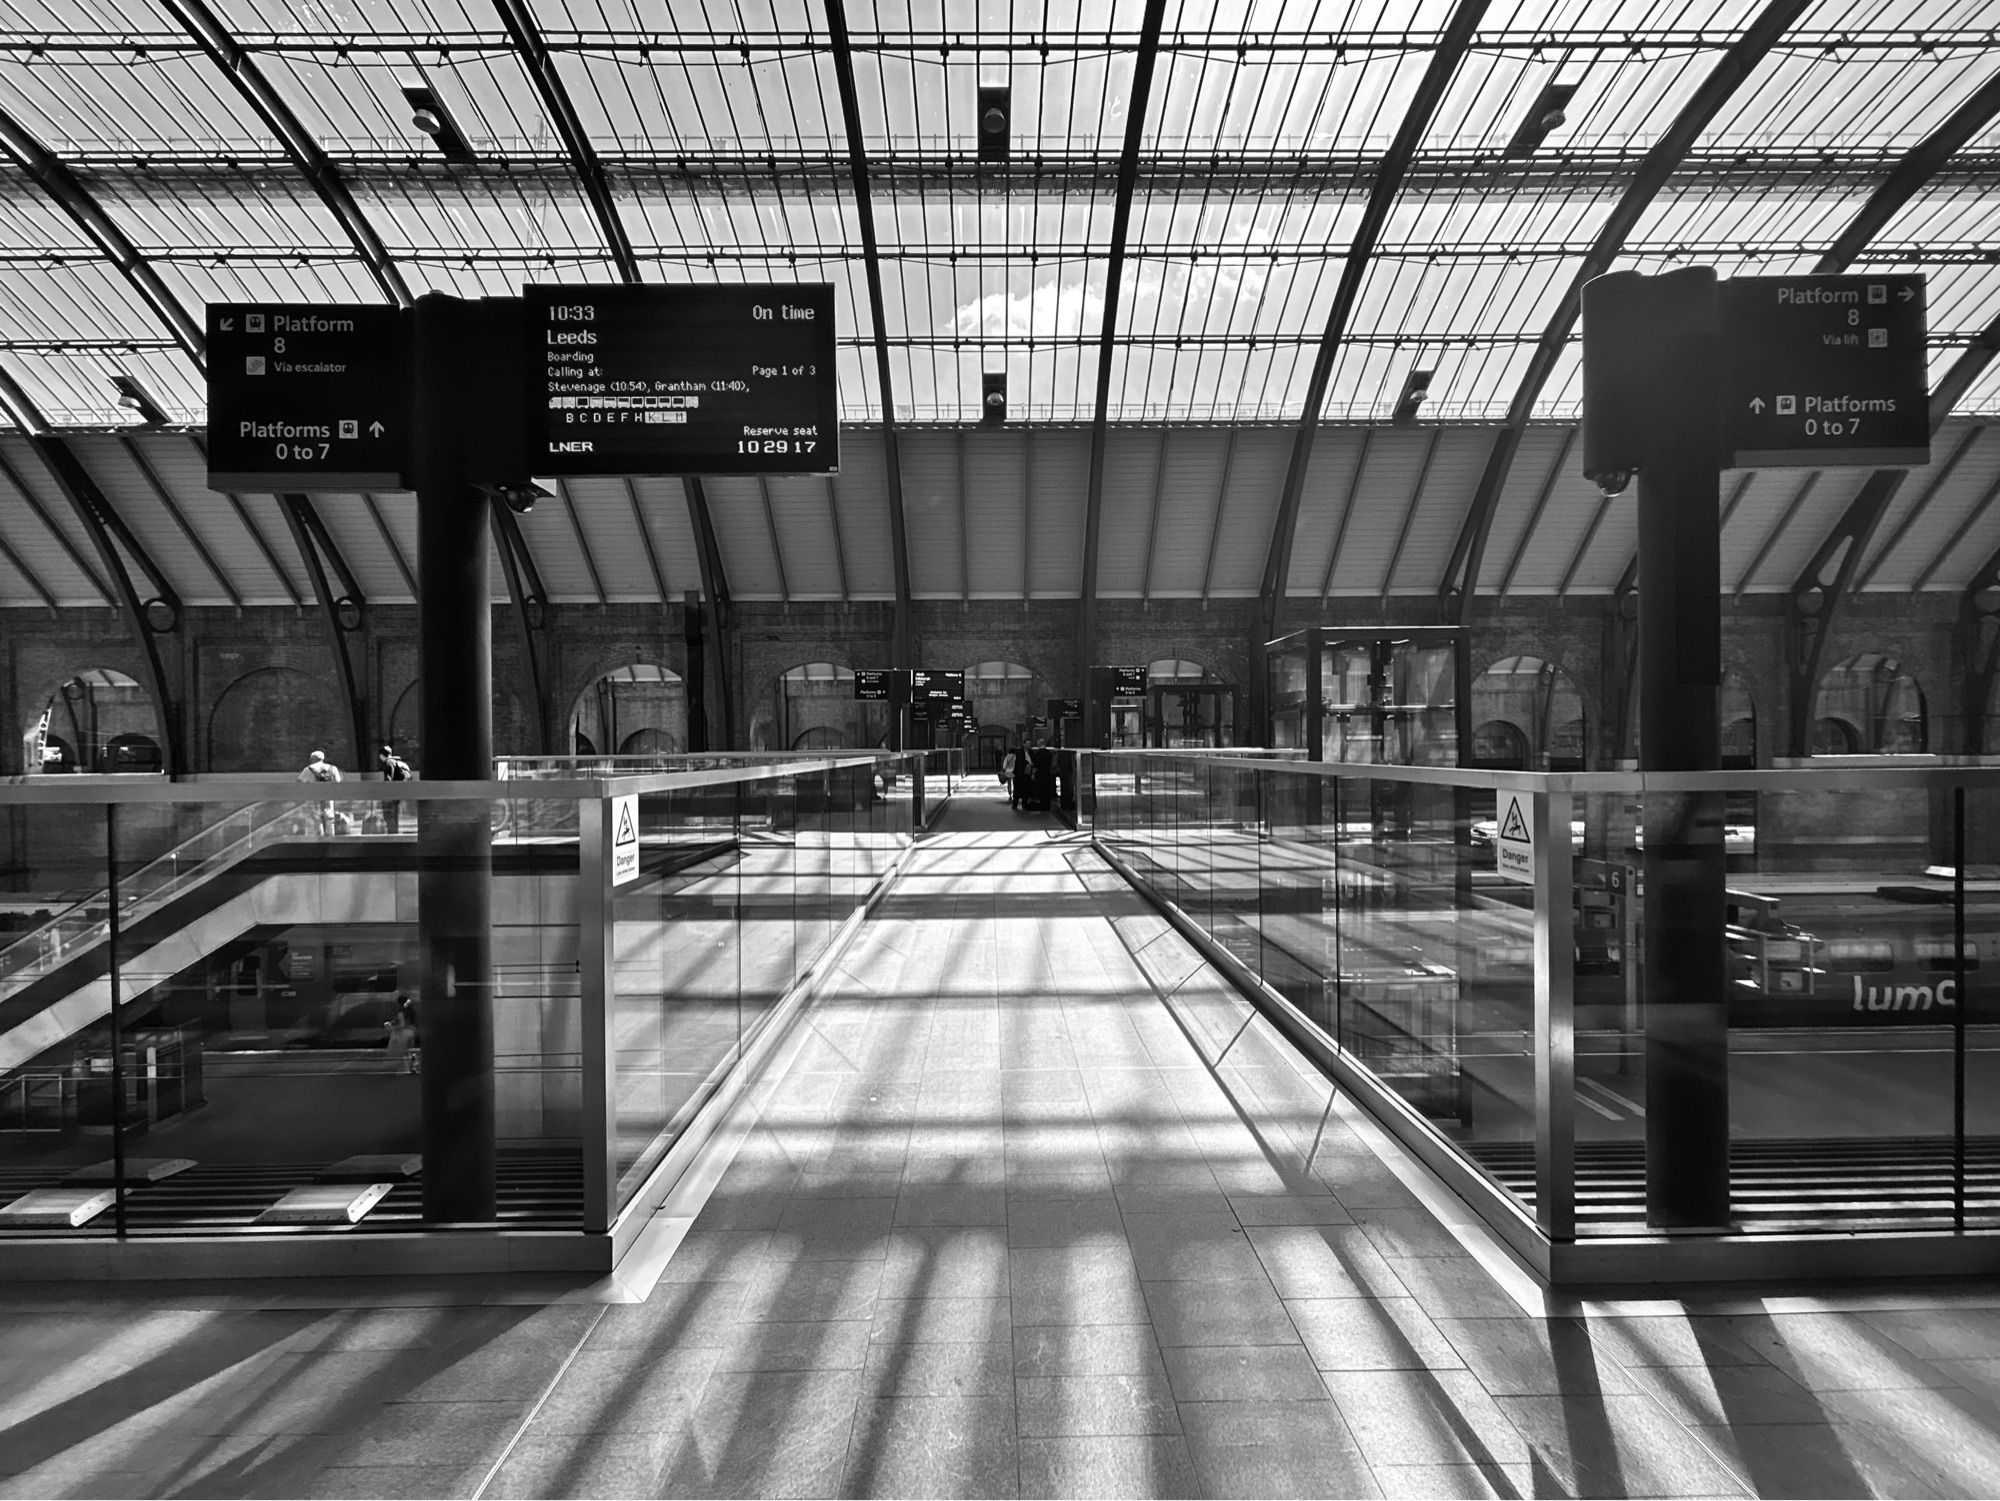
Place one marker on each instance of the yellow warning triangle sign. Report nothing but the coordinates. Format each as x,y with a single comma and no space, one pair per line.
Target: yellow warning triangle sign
1515,827
626,834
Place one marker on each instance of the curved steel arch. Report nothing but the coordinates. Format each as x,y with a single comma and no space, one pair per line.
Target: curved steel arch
871,260
534,49
1452,46
234,59
1143,59
1461,579
73,198
105,530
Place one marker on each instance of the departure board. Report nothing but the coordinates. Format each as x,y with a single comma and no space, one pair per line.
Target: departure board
730,379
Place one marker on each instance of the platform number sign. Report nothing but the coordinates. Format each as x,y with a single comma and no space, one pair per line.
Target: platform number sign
1514,841
624,840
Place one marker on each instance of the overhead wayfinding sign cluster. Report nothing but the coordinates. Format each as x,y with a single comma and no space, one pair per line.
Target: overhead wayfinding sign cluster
303,397
613,380
682,380
1824,370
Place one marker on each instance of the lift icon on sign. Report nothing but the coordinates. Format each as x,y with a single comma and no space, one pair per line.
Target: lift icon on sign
1514,843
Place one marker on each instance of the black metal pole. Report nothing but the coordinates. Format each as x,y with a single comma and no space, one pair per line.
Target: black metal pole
117,1036
1958,1011
454,839
1680,671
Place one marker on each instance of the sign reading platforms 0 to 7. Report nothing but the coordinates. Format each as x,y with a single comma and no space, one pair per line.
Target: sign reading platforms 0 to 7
306,398
681,380
1824,370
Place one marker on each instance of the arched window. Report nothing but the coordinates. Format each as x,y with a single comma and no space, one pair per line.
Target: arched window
1541,704
98,720
1867,705
640,710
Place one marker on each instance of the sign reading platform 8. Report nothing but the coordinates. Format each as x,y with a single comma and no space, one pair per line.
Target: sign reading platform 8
733,379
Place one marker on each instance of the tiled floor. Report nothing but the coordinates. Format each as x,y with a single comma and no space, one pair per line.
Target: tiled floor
1007,1231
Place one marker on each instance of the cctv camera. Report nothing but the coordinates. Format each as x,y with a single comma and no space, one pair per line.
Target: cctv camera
1611,482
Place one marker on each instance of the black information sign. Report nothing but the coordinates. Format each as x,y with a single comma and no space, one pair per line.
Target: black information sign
1824,370
681,380
930,685
872,682
1065,708
304,397
1128,682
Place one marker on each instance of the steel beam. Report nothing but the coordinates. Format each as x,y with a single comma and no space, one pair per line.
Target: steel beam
582,542
165,497
1410,513
1815,599
541,65
839,546
777,547
389,541
1919,165
871,261
41,514
228,54
1917,507
1452,46
1153,526
148,620
1966,523
646,538
1346,515
715,589
1541,504
343,616
70,195
531,612
1460,584
1764,548
1143,59
1215,522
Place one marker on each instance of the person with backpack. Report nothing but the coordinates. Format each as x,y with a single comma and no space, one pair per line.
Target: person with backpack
319,769
394,769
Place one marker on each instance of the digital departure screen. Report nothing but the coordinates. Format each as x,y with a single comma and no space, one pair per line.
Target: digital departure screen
728,379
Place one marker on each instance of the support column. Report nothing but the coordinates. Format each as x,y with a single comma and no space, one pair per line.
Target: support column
454,839
1680,673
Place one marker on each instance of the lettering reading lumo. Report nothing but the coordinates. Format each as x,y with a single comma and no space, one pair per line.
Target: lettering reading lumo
309,323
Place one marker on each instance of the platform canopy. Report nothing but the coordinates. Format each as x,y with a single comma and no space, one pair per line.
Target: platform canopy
1185,229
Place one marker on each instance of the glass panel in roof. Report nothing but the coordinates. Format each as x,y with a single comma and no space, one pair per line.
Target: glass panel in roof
30,223
97,103
198,283
753,225
256,209
447,213
1266,102
364,18
353,104
80,300
1627,94
1949,214
1461,297
1709,220
667,102
74,389
1885,98
697,19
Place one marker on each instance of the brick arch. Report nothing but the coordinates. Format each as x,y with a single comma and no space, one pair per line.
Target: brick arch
671,737
402,727
270,718
1539,745
150,724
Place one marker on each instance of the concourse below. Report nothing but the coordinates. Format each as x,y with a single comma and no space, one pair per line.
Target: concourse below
1026,1201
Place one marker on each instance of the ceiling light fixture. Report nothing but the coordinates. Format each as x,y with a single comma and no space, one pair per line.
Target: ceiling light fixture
133,397
1547,113
428,114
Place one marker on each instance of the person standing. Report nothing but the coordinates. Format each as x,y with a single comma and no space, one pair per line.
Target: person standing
319,769
1010,767
394,769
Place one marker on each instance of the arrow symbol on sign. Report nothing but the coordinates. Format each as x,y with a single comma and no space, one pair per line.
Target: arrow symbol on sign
375,429
228,325
1757,404
1907,293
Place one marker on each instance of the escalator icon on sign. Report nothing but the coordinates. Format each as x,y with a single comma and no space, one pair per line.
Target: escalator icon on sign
1514,842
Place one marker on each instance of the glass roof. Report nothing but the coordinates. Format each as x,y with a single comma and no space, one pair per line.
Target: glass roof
720,127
